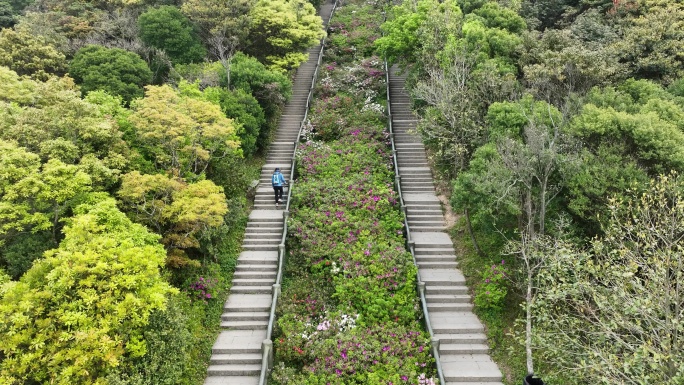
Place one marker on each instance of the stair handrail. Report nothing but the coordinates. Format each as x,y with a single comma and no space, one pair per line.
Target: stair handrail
434,342
267,344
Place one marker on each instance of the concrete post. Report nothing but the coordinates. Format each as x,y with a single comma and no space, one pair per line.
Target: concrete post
435,343
267,349
276,289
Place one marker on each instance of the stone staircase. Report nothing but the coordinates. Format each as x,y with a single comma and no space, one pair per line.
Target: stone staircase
236,357
463,346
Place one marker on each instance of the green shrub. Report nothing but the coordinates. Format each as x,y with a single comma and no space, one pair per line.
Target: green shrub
168,29
490,293
244,109
114,70
20,251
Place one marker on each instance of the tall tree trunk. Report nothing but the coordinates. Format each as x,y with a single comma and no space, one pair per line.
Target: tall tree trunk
472,235
528,322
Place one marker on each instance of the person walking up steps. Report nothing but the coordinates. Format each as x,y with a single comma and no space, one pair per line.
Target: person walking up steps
278,181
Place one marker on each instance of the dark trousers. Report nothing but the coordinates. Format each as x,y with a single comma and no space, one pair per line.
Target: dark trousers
278,190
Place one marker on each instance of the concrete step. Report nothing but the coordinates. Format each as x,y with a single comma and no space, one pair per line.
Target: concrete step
442,277
232,380
245,325
252,282
253,268
258,257
469,383
411,155
417,187
423,250
238,358
246,316
446,290
447,298
248,303
464,338
436,307
428,229
260,241
251,289
255,275
463,349
424,206
264,235
414,211
265,222
469,368
436,258
260,247
426,218
437,265
234,370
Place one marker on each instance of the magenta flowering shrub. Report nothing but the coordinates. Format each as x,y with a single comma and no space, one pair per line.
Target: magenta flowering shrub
333,117
491,292
349,311
363,80
352,32
203,289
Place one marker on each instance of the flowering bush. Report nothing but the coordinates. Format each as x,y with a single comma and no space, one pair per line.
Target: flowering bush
491,292
348,313
364,80
203,289
352,33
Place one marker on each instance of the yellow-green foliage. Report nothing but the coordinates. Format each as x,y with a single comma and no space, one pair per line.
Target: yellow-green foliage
34,196
281,29
30,54
177,210
182,133
74,315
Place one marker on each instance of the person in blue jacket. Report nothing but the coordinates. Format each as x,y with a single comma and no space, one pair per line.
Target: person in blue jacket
278,181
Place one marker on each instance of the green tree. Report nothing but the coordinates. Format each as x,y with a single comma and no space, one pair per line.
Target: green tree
615,313
19,251
543,14
177,210
652,43
513,182
246,111
7,16
50,119
630,132
36,197
168,29
31,55
90,300
224,25
406,32
647,129
271,88
281,30
113,70
169,339
181,134
557,63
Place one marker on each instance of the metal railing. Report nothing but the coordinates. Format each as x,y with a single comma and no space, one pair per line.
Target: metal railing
409,242
267,344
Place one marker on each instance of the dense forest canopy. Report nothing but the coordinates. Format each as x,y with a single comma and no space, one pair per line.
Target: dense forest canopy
130,132
558,127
